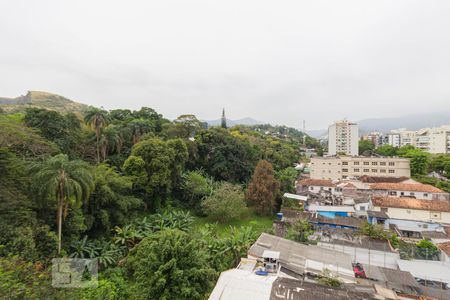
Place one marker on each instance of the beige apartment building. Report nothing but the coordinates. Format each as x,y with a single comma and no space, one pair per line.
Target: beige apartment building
342,167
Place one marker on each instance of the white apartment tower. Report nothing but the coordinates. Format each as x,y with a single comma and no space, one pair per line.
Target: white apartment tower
343,138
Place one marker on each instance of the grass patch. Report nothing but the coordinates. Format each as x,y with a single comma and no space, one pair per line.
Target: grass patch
258,223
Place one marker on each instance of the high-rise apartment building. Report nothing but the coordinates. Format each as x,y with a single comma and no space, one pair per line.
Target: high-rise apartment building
343,138
433,140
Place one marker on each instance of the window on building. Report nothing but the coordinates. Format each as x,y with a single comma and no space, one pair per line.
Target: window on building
391,163
366,170
435,215
374,163
366,163
392,193
355,170
311,188
374,170
402,194
344,163
411,194
382,163
391,171
344,170
382,171
356,163
425,194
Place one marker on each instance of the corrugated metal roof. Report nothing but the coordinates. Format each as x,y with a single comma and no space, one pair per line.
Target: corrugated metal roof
300,258
426,269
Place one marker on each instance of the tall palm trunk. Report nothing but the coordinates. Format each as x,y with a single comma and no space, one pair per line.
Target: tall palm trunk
60,212
97,134
62,180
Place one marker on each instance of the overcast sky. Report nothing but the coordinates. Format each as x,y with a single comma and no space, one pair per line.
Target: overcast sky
276,61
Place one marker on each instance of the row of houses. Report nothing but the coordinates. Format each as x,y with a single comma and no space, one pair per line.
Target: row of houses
276,268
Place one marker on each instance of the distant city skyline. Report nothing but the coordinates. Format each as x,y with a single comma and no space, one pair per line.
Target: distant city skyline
280,63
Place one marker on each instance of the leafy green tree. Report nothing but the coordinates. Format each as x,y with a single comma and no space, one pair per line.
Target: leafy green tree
179,161
21,279
151,115
64,181
300,231
22,140
185,126
365,146
238,242
263,189
226,203
98,119
419,161
111,202
441,164
195,188
169,264
386,150
225,157
140,127
154,158
427,250
287,178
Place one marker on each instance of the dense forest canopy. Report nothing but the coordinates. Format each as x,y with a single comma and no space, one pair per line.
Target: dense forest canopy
117,184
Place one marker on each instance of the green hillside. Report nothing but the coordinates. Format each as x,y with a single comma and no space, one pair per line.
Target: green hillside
41,100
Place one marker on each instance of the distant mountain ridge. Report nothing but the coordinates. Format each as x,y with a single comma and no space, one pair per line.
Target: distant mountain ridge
40,99
410,122
243,121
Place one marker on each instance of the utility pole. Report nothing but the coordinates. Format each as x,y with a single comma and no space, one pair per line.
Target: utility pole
304,134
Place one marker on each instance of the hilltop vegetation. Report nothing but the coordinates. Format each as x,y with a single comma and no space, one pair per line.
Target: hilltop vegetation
37,99
142,194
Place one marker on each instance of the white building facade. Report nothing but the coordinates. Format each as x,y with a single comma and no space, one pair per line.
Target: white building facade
343,138
433,140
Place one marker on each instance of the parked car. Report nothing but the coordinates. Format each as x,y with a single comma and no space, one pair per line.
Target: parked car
358,269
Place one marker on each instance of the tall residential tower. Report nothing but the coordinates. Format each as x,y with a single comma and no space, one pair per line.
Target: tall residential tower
343,138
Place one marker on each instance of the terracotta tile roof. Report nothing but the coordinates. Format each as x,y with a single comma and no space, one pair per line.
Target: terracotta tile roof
317,182
445,247
373,179
410,187
447,230
410,203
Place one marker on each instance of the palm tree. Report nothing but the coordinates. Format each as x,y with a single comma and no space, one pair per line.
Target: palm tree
97,118
68,182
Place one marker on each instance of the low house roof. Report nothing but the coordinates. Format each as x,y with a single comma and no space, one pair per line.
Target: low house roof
317,182
445,247
435,235
295,197
408,187
391,278
238,284
343,208
409,203
377,214
426,269
374,179
301,258
287,288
